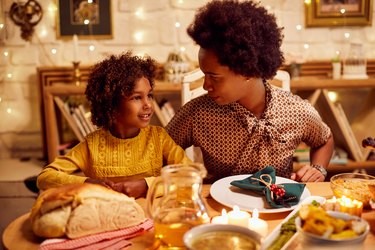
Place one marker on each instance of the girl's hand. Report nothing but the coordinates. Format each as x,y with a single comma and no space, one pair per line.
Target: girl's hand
106,184
132,188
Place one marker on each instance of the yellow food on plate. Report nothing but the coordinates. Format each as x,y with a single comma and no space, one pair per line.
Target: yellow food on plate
317,221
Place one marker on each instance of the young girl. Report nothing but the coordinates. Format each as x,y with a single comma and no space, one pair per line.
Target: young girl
125,152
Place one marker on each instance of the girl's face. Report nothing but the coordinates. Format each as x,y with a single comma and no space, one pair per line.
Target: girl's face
223,85
135,111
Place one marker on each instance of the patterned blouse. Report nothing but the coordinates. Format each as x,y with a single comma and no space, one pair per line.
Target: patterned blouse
233,141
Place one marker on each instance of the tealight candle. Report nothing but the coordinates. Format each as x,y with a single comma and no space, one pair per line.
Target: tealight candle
258,225
75,48
350,206
221,219
237,217
345,205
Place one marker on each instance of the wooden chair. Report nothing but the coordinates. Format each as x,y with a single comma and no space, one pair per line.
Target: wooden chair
188,94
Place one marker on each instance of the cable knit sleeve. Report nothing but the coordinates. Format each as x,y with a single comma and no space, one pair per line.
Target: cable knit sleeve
59,172
172,153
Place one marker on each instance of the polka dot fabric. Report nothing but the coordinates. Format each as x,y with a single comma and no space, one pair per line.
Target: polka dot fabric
233,141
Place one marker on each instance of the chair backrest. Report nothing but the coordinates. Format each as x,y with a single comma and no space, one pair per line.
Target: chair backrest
186,93
284,77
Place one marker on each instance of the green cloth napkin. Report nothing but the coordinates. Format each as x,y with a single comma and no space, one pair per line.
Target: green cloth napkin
293,191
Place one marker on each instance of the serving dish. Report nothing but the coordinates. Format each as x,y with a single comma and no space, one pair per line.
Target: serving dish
317,238
222,236
353,185
276,232
222,191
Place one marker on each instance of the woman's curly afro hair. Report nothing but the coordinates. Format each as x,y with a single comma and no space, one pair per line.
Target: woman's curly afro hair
113,79
243,35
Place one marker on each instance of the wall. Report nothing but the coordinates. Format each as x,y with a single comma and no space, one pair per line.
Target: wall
20,122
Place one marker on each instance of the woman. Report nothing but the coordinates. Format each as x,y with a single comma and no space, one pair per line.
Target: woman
244,124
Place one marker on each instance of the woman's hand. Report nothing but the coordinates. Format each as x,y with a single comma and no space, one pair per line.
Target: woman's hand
132,188
307,174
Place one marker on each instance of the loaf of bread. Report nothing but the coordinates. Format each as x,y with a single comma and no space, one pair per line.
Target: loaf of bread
81,209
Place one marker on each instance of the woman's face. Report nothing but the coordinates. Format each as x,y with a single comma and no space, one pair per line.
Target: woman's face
135,111
222,84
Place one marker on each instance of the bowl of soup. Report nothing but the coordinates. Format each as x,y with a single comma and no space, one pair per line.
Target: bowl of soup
222,236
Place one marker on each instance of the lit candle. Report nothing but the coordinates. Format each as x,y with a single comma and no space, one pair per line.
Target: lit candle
258,225
350,206
221,219
237,217
75,48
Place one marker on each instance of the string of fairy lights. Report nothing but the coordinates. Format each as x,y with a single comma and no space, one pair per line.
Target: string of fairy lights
50,51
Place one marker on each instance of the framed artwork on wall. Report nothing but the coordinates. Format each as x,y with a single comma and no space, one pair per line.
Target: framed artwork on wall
87,19
331,13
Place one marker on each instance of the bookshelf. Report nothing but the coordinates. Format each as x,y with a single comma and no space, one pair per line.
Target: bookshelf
58,81
347,134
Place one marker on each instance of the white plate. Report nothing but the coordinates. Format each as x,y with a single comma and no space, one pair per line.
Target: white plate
273,235
228,195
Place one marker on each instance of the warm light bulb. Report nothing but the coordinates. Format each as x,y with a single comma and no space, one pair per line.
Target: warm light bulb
9,110
182,49
342,11
43,32
346,35
255,213
306,46
9,75
86,21
91,47
1,25
177,24
54,51
298,27
6,53
138,36
89,1
307,1
332,96
139,12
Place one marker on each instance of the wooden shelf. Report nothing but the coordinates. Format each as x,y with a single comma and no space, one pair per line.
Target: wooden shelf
57,81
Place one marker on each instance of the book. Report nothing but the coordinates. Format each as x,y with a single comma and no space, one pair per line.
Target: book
87,116
68,117
339,125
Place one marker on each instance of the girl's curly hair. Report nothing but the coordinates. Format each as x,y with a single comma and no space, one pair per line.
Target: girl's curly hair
113,79
243,35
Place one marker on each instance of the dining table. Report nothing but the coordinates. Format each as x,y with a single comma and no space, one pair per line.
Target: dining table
18,234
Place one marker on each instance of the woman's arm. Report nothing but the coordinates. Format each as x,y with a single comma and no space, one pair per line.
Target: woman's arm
319,158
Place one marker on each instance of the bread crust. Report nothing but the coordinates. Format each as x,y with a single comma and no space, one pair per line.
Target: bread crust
77,210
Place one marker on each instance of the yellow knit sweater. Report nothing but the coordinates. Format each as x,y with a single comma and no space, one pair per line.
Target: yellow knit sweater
102,156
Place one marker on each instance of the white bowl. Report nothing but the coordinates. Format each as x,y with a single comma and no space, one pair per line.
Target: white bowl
317,238
217,236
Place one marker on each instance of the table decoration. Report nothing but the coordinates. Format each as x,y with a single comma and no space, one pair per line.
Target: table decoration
257,224
277,196
345,205
220,219
238,217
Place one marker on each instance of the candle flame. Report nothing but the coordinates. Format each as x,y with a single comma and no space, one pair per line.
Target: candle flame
255,213
224,212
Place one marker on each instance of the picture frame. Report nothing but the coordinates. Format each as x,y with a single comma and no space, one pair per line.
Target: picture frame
328,13
86,20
